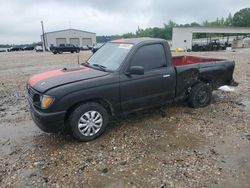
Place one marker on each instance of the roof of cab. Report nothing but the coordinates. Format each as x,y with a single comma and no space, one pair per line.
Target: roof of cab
137,40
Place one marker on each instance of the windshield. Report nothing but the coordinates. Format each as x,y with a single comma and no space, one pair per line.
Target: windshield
110,56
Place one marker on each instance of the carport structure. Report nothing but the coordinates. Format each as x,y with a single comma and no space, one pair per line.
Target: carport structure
183,36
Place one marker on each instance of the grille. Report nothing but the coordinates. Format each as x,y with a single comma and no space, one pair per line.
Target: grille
33,95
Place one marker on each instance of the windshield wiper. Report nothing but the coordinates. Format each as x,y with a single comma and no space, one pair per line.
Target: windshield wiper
100,66
86,63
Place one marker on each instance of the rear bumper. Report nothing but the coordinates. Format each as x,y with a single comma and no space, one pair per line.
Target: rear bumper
48,122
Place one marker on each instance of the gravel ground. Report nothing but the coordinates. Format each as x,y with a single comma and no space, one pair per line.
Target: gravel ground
174,146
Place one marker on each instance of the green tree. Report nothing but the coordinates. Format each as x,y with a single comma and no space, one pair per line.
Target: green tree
242,18
195,24
229,20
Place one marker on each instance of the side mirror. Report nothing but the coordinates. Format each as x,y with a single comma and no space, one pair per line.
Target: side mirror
137,70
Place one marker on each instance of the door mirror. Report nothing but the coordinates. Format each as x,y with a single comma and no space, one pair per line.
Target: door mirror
137,70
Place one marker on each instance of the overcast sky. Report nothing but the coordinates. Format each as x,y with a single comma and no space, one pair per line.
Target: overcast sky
20,19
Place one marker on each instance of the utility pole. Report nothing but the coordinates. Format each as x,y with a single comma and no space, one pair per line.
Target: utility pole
44,47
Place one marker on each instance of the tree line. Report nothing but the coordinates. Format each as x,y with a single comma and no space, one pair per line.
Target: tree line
239,19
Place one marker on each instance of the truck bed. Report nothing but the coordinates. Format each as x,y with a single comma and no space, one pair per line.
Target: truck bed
188,60
189,69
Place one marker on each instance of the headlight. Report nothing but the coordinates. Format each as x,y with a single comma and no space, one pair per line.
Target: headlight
46,101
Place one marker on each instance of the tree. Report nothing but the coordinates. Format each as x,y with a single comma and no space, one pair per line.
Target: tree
195,24
229,20
242,18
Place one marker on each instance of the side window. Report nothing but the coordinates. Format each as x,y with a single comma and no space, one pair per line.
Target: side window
150,57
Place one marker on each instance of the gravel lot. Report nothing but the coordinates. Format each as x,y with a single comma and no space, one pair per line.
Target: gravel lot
174,146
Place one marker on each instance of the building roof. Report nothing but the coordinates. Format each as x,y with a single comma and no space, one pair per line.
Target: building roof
69,30
211,27
205,29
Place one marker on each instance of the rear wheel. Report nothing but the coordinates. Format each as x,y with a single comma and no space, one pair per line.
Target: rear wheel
60,51
200,95
77,51
88,121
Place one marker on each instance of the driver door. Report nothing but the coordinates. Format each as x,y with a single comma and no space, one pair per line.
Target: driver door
156,86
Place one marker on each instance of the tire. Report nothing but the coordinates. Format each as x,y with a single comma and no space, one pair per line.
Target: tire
72,52
55,52
60,51
77,51
83,126
200,95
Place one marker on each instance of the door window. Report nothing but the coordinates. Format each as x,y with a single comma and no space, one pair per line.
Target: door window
150,57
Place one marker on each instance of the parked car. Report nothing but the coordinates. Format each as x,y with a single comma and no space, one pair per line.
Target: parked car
39,48
122,77
28,48
213,45
84,48
64,48
14,49
96,47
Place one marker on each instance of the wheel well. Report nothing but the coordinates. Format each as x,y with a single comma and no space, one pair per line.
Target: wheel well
205,81
102,102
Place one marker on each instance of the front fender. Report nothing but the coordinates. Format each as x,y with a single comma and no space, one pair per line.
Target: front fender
108,93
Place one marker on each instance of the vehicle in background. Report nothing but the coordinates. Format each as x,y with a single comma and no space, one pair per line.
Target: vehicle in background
28,48
85,48
64,48
213,45
39,48
2,50
123,76
97,47
14,49
90,47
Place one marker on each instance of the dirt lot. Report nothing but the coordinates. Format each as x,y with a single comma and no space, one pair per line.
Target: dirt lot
175,146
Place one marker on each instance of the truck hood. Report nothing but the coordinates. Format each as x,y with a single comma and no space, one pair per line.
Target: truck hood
48,80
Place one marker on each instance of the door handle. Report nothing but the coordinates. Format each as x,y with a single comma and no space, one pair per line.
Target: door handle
166,76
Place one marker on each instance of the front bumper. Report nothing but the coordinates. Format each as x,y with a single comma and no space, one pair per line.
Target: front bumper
48,122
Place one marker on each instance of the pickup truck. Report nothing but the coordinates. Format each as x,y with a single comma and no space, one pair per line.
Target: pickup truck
122,77
64,48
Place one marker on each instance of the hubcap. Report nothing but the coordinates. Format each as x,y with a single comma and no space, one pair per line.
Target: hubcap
90,123
202,97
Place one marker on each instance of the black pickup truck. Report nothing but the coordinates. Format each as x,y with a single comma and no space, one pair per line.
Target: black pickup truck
123,76
64,48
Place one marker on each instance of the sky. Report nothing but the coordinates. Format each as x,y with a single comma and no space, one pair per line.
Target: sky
20,20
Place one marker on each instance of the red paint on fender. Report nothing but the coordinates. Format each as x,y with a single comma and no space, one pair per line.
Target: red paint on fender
45,75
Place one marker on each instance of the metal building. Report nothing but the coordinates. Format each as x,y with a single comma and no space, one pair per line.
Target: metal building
183,36
69,36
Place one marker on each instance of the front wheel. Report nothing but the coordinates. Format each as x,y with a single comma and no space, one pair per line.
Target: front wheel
88,121
200,95
77,51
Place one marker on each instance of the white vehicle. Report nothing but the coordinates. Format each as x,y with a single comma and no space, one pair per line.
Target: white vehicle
39,48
